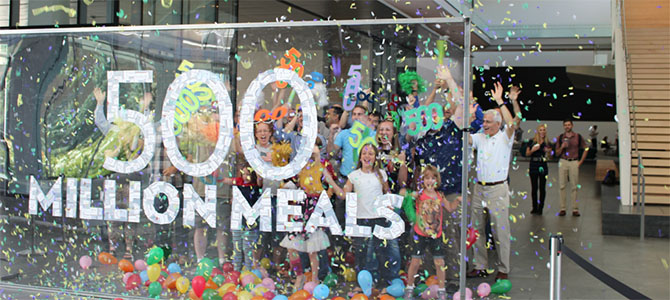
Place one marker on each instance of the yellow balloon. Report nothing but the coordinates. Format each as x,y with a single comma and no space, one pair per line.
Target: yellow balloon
349,275
265,263
182,284
245,273
225,288
260,290
154,271
244,295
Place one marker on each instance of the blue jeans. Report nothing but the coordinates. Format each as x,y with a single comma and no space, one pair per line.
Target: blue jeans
372,252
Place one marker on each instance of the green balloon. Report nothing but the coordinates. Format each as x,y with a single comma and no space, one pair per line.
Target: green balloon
210,294
155,255
204,268
419,289
501,286
219,279
155,289
330,280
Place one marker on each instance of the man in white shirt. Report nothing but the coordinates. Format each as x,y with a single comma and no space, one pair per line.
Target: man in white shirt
494,147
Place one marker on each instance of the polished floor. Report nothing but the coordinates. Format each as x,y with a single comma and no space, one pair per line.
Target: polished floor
643,265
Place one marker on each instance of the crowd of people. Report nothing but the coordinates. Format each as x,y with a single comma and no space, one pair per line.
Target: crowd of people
425,168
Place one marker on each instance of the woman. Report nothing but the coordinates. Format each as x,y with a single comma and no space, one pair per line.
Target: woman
391,156
538,169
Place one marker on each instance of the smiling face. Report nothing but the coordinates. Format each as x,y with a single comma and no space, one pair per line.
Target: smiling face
368,156
331,117
491,126
263,134
542,132
429,180
386,131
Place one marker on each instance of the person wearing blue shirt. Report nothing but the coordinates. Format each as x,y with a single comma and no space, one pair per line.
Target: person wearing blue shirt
342,140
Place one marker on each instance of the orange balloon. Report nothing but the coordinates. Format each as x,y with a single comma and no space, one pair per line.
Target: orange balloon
431,280
308,276
338,298
211,285
386,297
258,298
106,258
171,281
359,296
126,266
192,296
300,295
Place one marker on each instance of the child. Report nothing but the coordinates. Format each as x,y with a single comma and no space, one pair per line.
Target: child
309,180
427,229
369,181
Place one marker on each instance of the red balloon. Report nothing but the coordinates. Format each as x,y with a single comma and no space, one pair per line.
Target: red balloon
350,258
216,271
269,295
227,267
233,277
133,282
198,284
331,253
229,296
161,279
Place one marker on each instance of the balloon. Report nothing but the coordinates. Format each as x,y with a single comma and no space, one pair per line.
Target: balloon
419,289
396,289
204,268
244,295
359,297
155,255
299,295
125,277
257,298
257,273
198,284
349,274
193,296
282,297
144,276
227,267
174,268
365,282
269,295
85,262
218,279
229,296
247,279
233,277
268,283
338,298
216,271
259,290
182,284
141,265
210,294
171,281
431,280
430,292
265,263
106,258
225,288
330,280
483,290
133,282
211,285
501,286
473,234
153,271
126,266
309,287
386,297
155,289
350,258
321,291
468,294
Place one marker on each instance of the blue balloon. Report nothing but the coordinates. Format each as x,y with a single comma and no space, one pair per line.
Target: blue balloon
280,297
144,276
397,281
395,289
174,268
321,291
365,282
257,273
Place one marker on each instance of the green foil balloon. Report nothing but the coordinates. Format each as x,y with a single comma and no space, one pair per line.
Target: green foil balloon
501,286
155,255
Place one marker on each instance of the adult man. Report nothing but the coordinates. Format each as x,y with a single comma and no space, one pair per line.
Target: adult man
494,147
341,140
567,149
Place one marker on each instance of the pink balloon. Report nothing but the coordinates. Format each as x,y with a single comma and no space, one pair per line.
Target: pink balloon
268,283
85,262
140,265
269,295
126,276
468,294
309,286
483,290
247,279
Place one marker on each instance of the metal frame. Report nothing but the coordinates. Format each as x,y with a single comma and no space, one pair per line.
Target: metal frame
467,80
555,267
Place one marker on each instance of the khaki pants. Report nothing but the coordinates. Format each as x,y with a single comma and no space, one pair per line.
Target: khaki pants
496,199
568,171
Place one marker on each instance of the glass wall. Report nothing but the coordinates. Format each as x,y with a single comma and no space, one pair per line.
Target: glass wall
119,142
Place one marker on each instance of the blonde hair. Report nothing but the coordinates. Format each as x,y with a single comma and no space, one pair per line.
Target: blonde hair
433,170
281,154
536,138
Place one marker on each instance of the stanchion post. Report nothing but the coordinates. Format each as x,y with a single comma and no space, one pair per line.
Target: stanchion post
555,267
559,242
467,79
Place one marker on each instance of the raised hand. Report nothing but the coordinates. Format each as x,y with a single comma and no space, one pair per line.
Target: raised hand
497,92
514,92
99,96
